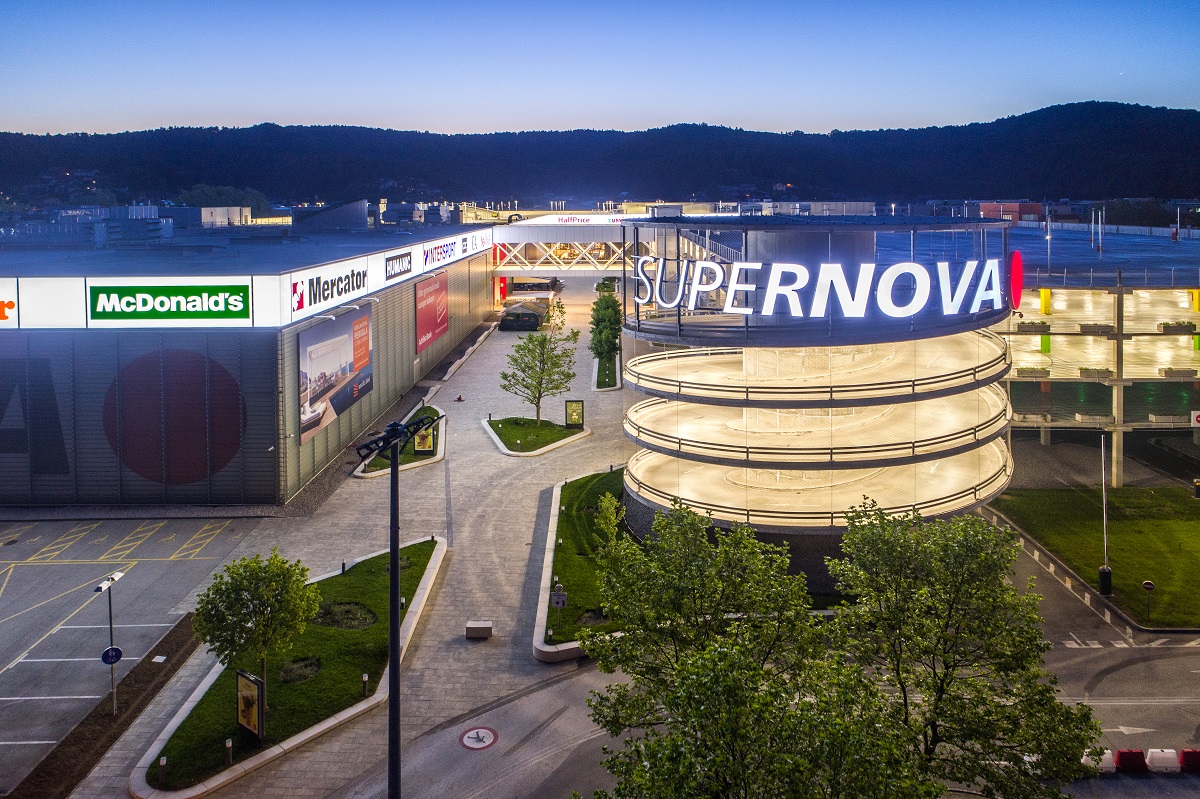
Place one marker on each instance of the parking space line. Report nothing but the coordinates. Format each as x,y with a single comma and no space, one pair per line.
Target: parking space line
22,698
18,528
56,547
198,541
70,660
8,572
27,743
105,626
122,548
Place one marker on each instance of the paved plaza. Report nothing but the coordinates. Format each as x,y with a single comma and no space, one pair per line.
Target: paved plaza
493,511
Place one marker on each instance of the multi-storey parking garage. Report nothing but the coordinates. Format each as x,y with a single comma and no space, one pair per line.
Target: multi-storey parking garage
788,384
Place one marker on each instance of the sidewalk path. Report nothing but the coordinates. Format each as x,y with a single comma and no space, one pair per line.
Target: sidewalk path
493,511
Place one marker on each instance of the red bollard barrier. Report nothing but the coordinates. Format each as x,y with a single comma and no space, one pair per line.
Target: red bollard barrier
1131,761
1189,761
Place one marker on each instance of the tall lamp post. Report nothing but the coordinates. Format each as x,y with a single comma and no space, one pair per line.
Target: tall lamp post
394,439
112,654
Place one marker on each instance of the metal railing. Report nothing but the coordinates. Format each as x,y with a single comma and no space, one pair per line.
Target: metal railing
950,503
795,457
637,378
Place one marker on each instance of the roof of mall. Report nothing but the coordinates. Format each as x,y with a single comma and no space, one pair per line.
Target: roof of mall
212,253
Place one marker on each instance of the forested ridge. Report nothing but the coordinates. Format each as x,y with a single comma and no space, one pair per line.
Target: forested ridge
1081,150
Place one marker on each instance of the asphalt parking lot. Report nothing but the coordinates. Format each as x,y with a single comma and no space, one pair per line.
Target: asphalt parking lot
54,625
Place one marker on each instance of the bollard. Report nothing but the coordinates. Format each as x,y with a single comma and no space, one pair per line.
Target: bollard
364,686
401,604
162,770
228,752
343,567
549,634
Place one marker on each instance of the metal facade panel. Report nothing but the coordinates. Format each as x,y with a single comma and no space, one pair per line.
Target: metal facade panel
140,417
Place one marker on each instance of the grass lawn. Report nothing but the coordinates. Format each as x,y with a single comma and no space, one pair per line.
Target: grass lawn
408,456
196,750
606,372
526,435
1153,534
574,561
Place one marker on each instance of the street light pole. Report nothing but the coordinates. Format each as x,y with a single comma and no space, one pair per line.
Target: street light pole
106,588
394,439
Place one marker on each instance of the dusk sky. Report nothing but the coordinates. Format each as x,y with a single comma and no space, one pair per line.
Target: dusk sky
466,66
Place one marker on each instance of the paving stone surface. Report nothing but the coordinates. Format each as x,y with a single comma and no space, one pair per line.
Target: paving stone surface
493,510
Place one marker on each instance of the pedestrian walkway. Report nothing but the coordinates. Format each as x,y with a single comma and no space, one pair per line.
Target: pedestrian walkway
493,511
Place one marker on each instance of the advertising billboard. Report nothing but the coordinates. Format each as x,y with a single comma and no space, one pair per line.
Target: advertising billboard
335,369
433,311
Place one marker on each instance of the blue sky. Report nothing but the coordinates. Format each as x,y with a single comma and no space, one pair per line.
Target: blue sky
466,66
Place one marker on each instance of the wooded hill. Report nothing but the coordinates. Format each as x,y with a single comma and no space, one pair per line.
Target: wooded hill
1081,150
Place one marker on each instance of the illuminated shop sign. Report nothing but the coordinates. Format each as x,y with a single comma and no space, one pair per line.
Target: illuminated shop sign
131,302
899,291
438,253
397,266
8,302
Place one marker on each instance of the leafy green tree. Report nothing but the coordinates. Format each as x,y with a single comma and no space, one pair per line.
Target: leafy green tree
255,607
732,688
606,326
542,364
202,195
961,651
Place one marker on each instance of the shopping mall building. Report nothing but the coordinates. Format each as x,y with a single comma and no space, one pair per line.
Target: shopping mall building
777,368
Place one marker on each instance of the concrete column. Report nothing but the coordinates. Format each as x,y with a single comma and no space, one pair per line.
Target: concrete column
1196,435
1118,454
1118,458
1045,436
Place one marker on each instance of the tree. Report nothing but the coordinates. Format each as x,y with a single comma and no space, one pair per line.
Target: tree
542,364
961,651
255,607
203,195
732,688
606,326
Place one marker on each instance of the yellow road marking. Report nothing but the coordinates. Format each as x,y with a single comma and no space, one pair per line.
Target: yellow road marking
121,549
69,562
8,572
18,528
51,599
52,629
197,542
65,540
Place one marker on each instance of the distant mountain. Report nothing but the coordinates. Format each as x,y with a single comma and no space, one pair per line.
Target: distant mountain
1081,150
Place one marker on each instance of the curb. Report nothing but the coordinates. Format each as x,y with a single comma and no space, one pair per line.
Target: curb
570,650
551,653
140,789
596,374
454,367
437,456
1072,581
487,428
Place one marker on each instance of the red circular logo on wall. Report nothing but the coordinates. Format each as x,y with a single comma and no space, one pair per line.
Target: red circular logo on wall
174,416
1016,279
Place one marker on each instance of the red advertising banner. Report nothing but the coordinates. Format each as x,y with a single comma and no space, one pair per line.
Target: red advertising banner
361,336
433,311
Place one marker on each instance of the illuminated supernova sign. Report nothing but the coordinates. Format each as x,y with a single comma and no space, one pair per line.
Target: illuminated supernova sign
837,302
901,290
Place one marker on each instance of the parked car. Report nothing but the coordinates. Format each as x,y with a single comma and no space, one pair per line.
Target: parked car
522,317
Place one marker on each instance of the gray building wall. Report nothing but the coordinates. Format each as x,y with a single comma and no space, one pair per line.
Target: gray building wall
208,417
137,417
395,364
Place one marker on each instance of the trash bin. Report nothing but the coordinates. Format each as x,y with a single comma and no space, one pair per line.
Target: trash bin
1105,581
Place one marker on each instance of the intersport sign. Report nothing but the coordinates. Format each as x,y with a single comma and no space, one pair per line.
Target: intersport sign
146,304
854,302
